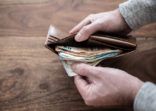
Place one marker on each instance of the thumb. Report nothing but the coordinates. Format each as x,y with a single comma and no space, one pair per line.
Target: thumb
86,31
84,70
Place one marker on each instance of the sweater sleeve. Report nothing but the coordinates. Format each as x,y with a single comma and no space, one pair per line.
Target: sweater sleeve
138,12
145,100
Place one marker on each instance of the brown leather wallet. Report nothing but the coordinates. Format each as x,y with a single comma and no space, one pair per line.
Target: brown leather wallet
100,39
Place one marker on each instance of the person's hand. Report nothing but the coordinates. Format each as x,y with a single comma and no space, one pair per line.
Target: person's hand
100,86
110,22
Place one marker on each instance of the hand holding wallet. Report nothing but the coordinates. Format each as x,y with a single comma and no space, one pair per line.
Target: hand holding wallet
98,47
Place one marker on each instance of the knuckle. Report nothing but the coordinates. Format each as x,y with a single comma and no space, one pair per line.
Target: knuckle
84,70
91,16
89,101
86,29
99,22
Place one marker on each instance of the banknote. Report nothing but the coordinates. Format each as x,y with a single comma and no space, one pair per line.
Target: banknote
76,50
92,56
67,66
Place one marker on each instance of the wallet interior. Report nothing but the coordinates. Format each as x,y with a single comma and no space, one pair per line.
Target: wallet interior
56,37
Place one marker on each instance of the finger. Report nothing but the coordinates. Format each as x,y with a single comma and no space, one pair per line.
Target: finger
85,70
86,31
81,85
84,22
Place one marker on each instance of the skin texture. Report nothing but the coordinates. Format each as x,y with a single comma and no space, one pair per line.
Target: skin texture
102,86
111,22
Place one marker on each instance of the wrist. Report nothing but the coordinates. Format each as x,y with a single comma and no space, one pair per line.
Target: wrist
121,21
136,87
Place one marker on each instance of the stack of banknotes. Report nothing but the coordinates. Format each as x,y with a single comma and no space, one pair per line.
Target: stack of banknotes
69,55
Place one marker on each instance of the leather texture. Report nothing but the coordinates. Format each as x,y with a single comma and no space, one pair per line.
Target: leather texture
99,39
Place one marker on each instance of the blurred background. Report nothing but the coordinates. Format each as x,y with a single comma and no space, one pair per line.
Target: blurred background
32,17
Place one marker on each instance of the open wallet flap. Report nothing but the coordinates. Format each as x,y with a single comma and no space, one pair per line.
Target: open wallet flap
56,37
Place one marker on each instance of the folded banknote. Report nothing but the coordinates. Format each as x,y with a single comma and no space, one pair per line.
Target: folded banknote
92,56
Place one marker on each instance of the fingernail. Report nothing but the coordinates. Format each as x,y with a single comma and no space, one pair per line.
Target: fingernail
78,37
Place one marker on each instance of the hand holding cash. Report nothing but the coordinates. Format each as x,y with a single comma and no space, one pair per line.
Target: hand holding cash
88,26
91,52
101,86
106,87
98,86
92,56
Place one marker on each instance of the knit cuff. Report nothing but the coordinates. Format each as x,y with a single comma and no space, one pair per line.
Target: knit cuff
145,99
138,12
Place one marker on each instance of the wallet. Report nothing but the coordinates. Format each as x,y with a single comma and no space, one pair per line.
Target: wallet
56,37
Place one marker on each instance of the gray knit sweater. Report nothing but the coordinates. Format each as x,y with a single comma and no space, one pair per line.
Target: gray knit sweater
136,14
